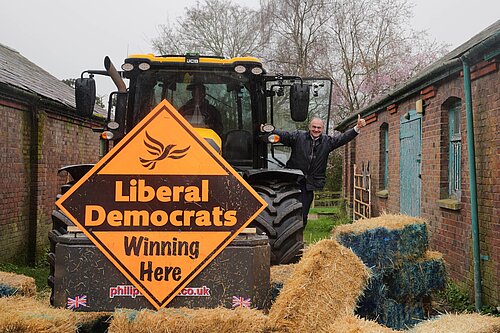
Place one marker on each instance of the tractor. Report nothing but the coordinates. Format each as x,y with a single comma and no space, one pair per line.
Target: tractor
245,96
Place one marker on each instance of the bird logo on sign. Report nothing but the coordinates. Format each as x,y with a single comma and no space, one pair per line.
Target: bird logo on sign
160,151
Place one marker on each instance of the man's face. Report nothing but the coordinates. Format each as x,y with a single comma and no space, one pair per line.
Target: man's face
198,93
316,127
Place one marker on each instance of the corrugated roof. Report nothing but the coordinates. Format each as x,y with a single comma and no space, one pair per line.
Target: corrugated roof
17,71
448,64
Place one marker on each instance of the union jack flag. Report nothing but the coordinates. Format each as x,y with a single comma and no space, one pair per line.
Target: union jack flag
75,303
240,302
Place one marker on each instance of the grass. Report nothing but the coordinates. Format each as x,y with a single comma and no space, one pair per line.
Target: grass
328,217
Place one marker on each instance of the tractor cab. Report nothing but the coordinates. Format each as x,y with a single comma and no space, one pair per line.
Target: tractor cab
226,100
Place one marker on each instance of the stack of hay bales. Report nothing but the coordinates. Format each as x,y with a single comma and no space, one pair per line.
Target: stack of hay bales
16,284
404,271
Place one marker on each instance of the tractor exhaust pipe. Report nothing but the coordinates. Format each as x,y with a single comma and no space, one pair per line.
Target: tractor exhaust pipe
121,99
115,76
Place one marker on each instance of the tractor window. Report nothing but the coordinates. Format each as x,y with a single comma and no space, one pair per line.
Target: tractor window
279,112
223,104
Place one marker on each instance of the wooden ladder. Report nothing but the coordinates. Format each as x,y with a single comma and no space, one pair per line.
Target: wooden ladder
362,192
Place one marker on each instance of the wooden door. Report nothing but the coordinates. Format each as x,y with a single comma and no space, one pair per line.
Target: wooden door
410,137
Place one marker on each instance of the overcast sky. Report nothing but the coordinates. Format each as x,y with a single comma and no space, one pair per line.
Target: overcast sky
65,37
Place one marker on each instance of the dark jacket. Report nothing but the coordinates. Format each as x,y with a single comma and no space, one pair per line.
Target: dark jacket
312,160
211,115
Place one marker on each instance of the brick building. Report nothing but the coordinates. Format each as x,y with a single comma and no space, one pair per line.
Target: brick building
417,141
40,132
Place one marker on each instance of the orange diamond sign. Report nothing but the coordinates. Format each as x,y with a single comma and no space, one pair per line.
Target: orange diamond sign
161,205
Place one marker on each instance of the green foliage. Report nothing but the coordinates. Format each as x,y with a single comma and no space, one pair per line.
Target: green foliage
455,299
334,171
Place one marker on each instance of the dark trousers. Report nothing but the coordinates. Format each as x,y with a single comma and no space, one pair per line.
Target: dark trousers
306,197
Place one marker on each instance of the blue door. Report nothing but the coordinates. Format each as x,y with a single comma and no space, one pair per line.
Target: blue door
410,138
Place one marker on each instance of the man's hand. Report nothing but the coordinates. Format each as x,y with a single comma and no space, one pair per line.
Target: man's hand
361,122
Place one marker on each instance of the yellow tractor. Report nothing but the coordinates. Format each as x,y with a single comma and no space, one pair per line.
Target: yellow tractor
226,101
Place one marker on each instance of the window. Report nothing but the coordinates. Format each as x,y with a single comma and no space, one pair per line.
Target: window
454,150
384,155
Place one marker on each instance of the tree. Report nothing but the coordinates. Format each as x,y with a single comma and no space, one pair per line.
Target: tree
216,27
373,50
296,30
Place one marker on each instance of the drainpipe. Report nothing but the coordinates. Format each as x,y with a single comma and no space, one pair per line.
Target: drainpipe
33,186
472,184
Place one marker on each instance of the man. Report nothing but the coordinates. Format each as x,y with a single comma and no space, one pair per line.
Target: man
199,112
310,150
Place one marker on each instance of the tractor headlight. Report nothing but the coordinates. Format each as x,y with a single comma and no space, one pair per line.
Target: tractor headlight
240,69
127,67
256,70
144,66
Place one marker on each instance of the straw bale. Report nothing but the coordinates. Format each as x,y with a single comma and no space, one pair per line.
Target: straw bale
26,314
388,221
459,323
385,241
325,285
416,278
376,305
184,320
16,284
354,324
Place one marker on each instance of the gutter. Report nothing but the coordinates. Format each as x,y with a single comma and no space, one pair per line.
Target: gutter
476,251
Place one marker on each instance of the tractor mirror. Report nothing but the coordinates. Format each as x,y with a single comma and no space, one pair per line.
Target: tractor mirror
85,96
299,101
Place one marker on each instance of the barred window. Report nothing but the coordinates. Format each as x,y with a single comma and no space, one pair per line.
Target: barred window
455,149
384,155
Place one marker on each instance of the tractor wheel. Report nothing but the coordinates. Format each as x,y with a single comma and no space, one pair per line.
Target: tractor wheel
60,222
282,220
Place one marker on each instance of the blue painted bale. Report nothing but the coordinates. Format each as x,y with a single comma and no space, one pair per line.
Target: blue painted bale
386,241
399,315
412,280
417,278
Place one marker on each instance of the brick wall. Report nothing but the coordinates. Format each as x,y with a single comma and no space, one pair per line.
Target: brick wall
59,141
450,230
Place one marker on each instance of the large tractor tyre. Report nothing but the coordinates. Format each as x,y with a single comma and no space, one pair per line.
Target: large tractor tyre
282,220
60,222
